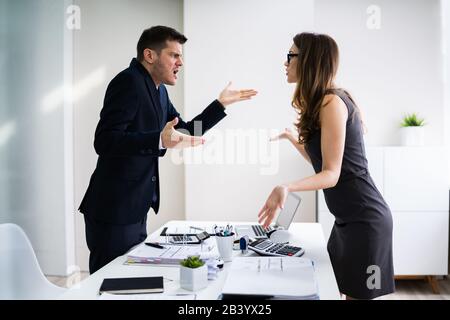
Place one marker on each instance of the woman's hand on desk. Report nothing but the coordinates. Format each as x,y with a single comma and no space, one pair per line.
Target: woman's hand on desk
274,203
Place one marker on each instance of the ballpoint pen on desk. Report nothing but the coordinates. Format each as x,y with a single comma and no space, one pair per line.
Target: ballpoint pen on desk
154,245
196,228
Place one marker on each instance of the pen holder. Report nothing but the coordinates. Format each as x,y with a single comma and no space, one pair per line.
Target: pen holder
225,246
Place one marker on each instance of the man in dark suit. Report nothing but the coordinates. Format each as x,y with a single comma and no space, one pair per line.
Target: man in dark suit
137,124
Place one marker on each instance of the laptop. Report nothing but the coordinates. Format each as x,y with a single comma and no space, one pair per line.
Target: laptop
284,220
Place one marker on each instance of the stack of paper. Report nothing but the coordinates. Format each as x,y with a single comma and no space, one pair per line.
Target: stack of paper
272,278
153,296
169,254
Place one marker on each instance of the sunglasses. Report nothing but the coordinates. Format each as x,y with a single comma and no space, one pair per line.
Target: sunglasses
290,56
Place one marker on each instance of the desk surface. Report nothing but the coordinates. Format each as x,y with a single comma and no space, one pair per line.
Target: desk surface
307,235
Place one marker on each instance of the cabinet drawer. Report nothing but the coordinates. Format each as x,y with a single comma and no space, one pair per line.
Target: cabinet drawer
420,243
415,179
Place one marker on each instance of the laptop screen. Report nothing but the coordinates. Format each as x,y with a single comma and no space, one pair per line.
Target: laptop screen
288,212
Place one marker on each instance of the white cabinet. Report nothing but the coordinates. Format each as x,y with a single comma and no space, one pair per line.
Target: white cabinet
414,183
420,242
415,179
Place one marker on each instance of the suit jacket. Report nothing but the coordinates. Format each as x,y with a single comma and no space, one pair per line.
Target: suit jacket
125,183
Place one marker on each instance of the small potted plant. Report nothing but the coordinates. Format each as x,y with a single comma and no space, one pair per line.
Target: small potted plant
412,130
193,274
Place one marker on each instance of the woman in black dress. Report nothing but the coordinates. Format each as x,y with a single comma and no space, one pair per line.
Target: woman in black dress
330,137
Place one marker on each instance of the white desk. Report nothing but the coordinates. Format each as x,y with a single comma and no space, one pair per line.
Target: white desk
307,235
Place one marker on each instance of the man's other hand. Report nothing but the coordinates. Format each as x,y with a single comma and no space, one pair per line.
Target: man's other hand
172,139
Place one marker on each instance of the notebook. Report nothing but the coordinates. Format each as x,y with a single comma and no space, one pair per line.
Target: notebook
132,285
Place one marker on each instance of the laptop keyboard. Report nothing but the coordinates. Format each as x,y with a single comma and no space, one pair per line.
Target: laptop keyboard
260,231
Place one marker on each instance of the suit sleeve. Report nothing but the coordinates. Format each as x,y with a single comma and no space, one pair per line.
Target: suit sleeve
119,110
202,122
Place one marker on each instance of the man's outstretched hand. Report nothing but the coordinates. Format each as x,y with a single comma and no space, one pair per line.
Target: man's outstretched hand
173,139
229,96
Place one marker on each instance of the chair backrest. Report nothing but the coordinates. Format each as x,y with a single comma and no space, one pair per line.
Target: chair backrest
20,274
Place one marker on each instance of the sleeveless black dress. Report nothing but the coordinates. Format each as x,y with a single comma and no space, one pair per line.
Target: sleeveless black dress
360,244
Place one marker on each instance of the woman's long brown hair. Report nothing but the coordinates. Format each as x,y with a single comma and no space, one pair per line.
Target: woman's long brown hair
317,65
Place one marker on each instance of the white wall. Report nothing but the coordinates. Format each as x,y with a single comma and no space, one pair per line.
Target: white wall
35,179
247,42
445,20
393,70
104,46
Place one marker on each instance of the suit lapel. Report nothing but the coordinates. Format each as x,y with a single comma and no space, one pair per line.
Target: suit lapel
164,103
154,95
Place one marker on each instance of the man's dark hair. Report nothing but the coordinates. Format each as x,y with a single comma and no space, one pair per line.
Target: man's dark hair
155,38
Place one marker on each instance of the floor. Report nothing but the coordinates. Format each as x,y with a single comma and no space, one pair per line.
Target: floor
405,289
419,290
67,282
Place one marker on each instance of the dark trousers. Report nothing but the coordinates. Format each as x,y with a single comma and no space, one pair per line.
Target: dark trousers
108,241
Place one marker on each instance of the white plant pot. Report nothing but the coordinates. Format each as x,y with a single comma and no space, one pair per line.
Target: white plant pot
412,136
194,279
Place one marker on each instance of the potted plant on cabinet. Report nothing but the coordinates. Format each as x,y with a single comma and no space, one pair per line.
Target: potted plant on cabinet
412,131
193,274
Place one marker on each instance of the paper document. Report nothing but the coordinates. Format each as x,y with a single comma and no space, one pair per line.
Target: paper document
275,277
170,254
153,296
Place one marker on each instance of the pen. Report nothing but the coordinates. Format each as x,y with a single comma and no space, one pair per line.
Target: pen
154,245
196,228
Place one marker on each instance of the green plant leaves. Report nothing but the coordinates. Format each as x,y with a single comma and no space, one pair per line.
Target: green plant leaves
411,120
192,262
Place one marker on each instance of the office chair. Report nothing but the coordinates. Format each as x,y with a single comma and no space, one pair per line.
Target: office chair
20,274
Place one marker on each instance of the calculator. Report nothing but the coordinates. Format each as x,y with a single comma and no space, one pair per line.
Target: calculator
188,238
183,239
266,247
